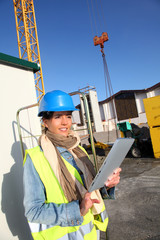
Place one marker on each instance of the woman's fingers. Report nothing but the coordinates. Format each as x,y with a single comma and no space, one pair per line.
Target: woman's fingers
118,170
87,203
95,201
114,179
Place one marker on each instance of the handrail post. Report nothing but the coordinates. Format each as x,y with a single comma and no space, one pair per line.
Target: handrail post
19,128
89,126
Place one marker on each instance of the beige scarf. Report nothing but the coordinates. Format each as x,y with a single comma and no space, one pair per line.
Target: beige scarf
72,188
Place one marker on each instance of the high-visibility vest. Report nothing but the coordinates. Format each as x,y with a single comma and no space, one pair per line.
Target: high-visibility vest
87,230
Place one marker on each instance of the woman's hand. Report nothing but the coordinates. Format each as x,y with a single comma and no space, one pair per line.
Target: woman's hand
87,203
114,179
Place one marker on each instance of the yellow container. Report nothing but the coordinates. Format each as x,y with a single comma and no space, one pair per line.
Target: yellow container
155,137
152,109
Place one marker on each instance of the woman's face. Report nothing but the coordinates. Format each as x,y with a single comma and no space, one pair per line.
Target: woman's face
60,123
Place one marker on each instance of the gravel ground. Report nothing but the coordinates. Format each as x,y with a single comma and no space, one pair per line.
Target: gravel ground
135,213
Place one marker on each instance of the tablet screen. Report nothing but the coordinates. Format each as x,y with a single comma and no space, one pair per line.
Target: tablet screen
113,160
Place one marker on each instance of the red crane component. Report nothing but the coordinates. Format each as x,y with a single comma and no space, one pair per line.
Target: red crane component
100,40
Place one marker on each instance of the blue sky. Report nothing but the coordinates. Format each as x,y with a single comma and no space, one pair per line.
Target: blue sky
69,58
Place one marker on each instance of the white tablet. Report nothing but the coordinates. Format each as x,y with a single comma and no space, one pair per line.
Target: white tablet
114,159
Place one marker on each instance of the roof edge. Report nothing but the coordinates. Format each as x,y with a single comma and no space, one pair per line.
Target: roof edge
19,62
135,91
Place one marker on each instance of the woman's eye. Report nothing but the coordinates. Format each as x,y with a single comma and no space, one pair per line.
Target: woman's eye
56,117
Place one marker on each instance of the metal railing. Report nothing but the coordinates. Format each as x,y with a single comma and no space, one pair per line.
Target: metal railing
19,126
88,120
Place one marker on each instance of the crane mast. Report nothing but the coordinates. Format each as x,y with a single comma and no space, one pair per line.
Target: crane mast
27,36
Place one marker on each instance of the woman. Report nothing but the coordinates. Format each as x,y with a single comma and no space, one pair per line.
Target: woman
57,174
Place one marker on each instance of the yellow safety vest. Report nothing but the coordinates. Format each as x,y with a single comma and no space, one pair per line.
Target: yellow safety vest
90,223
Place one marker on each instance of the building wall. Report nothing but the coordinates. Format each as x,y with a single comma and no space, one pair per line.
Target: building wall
17,91
153,93
109,118
101,109
95,111
139,101
157,91
108,110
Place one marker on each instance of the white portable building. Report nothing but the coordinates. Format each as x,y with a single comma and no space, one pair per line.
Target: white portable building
17,91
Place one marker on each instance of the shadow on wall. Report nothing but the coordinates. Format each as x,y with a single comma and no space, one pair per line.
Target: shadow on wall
12,196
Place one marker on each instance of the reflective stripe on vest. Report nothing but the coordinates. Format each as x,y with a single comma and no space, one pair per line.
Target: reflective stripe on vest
79,234
104,215
36,227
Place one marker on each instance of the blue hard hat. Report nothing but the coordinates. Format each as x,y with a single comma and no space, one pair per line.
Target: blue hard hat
56,101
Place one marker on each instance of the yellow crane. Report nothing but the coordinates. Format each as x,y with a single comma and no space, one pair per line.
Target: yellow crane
27,36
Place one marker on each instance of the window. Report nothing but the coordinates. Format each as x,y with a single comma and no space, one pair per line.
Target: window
126,106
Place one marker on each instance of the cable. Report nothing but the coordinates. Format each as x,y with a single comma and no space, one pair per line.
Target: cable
104,21
90,17
99,16
94,17
108,86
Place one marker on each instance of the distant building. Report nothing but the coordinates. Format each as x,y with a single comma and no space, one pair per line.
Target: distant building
125,105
